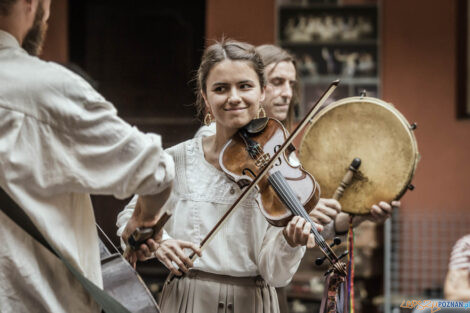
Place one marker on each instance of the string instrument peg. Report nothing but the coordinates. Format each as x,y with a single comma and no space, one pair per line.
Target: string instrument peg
331,270
336,242
345,253
328,272
319,261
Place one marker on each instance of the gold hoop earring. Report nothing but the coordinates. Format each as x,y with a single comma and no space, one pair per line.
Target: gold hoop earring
208,119
261,113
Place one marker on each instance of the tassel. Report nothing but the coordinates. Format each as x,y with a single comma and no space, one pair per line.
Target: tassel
351,266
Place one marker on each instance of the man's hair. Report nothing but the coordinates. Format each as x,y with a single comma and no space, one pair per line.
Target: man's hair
274,54
5,6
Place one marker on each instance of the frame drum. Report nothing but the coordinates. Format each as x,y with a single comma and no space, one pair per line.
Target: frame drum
365,128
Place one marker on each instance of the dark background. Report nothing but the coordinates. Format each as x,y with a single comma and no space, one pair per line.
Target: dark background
141,56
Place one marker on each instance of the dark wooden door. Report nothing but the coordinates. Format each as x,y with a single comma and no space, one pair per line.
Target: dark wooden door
141,55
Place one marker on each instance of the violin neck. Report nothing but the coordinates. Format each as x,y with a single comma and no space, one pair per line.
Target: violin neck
290,200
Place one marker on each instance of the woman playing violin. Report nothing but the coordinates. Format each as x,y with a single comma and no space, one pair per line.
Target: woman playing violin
281,96
248,257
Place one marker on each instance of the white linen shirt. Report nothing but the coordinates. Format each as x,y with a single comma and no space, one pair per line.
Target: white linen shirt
60,141
246,245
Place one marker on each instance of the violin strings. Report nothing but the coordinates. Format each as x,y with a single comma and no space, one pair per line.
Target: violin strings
297,211
289,197
107,238
288,190
285,190
320,242
301,210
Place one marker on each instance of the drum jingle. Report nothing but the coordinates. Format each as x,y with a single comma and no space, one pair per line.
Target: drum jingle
365,128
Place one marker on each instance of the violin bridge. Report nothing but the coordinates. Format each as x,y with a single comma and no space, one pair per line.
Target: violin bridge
262,160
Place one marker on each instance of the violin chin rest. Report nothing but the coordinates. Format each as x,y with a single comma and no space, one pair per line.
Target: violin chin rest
256,125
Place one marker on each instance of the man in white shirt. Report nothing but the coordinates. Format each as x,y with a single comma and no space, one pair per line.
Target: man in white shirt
59,142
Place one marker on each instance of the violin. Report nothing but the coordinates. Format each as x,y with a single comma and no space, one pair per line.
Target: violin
249,151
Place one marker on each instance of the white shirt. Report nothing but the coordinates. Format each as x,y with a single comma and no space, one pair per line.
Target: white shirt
206,130
246,245
60,141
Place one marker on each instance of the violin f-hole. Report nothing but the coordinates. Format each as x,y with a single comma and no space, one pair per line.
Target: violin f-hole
249,171
277,147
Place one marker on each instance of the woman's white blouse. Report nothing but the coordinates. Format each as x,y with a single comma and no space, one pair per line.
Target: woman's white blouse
246,245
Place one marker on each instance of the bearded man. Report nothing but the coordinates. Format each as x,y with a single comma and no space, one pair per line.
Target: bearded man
59,142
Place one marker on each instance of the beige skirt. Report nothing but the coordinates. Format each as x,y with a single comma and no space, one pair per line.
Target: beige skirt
202,292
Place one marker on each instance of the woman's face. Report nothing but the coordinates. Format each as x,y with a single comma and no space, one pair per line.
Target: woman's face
233,94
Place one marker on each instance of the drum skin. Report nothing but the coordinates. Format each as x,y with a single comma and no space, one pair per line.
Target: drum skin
375,132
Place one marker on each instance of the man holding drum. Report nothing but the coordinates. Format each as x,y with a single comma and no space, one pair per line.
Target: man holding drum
282,94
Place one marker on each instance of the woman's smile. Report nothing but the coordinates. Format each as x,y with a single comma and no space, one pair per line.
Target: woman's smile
236,109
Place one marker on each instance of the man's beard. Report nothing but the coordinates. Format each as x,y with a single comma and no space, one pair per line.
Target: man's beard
34,39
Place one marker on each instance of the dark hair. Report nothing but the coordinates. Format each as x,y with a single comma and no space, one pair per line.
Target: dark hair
5,6
271,54
226,49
